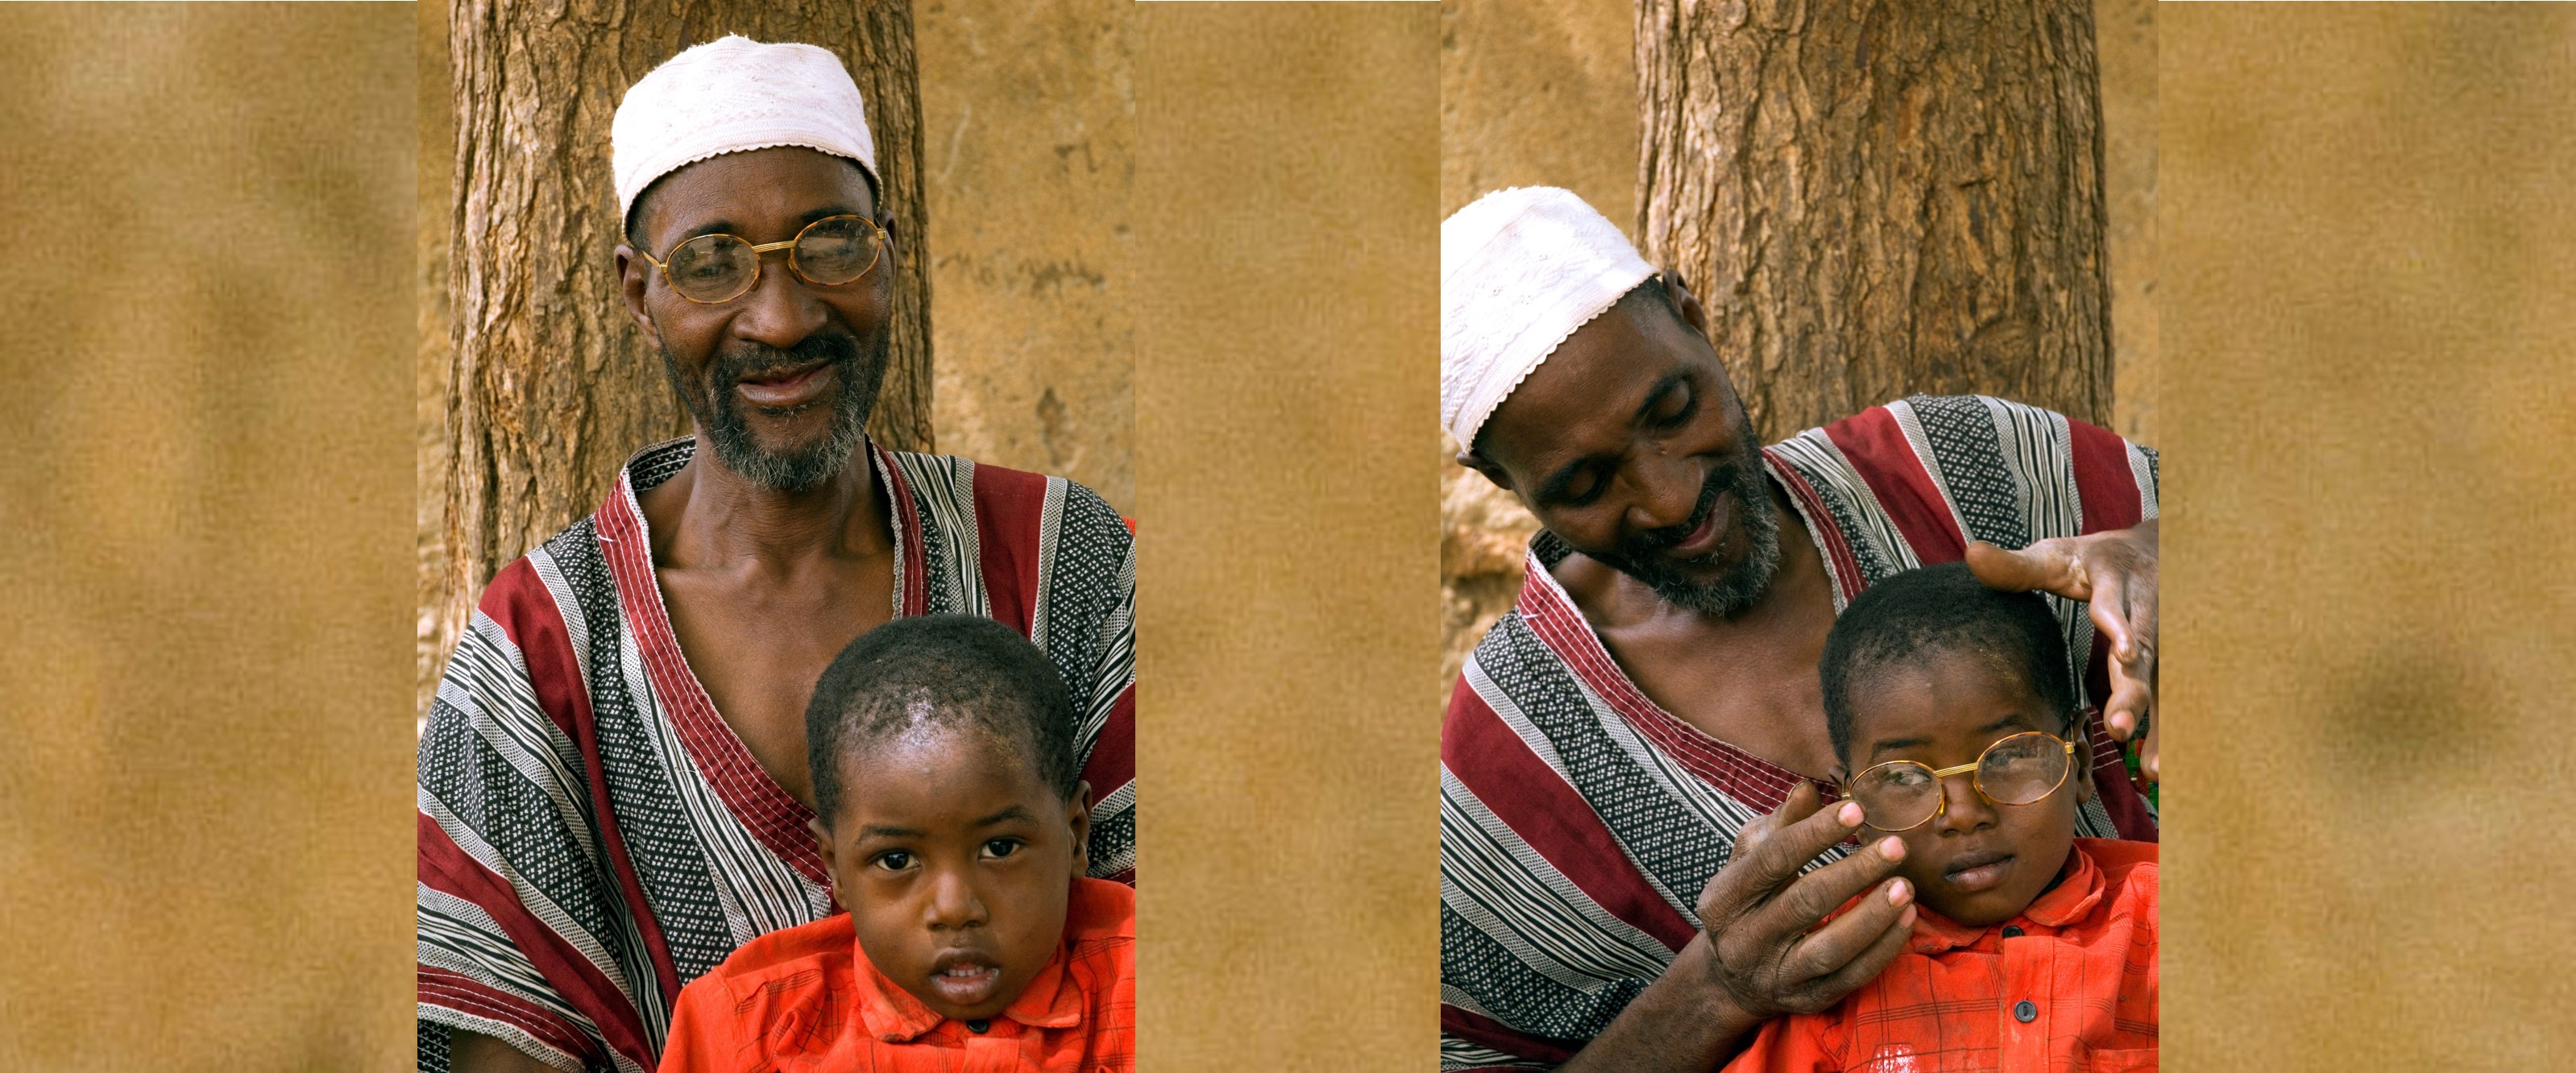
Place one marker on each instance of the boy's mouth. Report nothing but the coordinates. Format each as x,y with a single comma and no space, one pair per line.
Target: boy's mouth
965,978
1977,870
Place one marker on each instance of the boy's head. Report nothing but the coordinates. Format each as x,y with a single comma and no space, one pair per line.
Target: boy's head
1933,667
949,805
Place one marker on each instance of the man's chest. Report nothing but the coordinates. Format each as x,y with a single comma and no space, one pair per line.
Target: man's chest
1756,692
758,649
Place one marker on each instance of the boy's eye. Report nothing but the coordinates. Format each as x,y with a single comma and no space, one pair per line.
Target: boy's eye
1906,775
1001,847
893,860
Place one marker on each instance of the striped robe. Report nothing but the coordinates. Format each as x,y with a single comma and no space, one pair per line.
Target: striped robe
592,836
1579,821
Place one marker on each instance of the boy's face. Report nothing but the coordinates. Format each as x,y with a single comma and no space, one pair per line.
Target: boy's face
955,861
1978,863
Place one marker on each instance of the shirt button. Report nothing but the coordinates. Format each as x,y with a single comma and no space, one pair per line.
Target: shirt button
981,1027
2024,1012
2011,932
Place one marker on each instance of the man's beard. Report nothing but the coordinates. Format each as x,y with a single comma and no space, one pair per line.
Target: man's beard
1641,555
859,370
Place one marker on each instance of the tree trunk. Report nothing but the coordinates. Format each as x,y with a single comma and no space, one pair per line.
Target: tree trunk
1879,199
549,386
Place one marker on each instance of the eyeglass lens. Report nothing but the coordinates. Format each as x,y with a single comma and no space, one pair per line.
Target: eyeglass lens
716,268
2015,771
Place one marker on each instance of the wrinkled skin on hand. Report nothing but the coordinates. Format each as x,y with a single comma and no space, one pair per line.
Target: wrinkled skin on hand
1760,915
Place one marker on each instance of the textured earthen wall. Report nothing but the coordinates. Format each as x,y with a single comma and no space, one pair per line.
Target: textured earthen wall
1029,145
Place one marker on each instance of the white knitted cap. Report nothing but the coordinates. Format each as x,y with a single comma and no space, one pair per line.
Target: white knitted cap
732,95
1520,270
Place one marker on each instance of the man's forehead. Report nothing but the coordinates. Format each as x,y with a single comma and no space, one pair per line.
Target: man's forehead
1589,387
762,187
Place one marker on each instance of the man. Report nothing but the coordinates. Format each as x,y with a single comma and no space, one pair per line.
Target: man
613,783
1613,894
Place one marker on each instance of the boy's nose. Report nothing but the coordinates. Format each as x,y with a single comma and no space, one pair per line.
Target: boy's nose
953,903
1965,809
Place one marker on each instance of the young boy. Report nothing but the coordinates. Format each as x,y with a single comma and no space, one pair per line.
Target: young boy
1953,714
951,816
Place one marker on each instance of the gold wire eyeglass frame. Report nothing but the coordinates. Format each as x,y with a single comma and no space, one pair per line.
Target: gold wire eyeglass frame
1942,800
757,250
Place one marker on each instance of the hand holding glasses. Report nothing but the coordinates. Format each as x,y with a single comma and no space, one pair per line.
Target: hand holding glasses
1901,795
711,269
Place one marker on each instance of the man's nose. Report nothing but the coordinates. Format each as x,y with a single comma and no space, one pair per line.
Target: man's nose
1668,490
781,310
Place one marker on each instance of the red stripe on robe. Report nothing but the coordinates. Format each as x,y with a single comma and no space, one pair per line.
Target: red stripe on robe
517,600
444,866
1549,815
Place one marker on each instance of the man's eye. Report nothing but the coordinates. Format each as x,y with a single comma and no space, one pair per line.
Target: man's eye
1677,409
1001,847
894,861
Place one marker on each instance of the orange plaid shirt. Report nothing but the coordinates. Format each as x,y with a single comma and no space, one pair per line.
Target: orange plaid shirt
805,1000
2070,984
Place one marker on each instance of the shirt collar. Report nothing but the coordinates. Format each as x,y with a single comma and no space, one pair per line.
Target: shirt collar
2078,890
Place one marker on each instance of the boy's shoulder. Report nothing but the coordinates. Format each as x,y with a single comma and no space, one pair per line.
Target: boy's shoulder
2124,864
805,953
1100,911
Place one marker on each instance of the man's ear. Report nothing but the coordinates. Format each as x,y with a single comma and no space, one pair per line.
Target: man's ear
634,274
1078,813
1481,464
1684,301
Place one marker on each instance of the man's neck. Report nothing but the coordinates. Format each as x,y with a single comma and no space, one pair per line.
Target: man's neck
1749,679
707,516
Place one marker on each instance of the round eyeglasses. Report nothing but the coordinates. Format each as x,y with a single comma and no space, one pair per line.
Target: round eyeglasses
831,251
1901,795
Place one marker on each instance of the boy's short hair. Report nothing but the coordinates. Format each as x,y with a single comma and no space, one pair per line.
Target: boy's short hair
1943,608
959,672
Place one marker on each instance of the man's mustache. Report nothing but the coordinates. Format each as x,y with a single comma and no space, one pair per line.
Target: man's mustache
760,361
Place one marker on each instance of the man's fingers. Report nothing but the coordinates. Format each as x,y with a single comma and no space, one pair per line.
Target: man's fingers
2047,566
1762,865
2110,611
1801,803
1793,911
2147,756
1862,968
2131,702
1831,947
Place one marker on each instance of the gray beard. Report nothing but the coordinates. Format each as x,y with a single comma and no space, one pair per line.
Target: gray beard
1741,587
718,410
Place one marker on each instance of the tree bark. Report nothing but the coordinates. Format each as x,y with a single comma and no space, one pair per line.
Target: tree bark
1879,199
549,386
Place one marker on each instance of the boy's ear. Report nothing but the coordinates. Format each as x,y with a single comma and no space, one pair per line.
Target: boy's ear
1078,814
2083,760
822,843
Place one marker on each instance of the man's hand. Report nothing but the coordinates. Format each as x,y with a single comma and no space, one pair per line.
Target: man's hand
1759,912
2114,573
